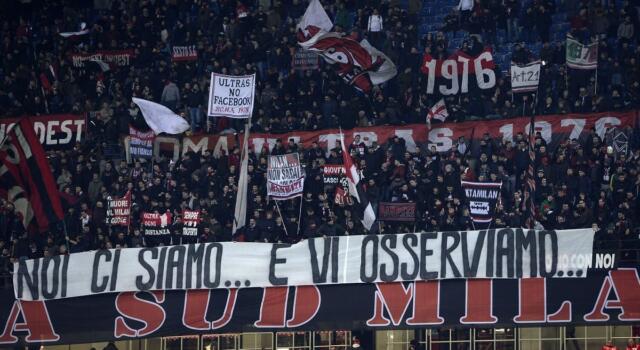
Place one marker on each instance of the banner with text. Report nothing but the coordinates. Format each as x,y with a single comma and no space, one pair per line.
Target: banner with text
305,60
285,178
119,210
140,143
482,198
190,221
604,298
525,78
231,96
184,53
500,253
54,131
553,128
456,73
114,58
334,174
156,224
397,211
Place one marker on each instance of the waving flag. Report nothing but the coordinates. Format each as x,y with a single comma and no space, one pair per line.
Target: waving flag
25,177
356,189
438,112
83,30
160,118
357,62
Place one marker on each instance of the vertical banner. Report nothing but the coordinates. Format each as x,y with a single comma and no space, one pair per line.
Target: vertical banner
119,210
482,198
525,78
156,224
190,222
141,143
285,178
231,96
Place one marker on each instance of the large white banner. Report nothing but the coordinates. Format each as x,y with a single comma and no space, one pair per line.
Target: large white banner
231,96
285,178
525,78
499,253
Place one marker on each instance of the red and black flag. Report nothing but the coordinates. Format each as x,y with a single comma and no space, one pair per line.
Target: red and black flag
356,189
26,179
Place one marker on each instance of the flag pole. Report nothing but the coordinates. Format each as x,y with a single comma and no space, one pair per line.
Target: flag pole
282,217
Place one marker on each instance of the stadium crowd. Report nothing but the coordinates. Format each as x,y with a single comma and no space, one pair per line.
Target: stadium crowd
579,183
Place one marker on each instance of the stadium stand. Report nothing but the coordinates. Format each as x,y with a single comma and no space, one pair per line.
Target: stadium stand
581,184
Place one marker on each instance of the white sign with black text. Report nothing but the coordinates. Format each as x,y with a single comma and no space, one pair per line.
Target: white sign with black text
496,253
231,96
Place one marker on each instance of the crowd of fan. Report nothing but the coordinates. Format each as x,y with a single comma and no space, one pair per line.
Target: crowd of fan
579,184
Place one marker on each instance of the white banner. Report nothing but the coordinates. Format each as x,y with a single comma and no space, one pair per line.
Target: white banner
499,253
285,178
231,96
525,78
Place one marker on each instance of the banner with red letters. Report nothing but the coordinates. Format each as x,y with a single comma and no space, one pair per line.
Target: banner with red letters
285,178
54,131
397,211
603,298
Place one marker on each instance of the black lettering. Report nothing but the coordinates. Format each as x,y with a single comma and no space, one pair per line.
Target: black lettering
554,253
388,243
404,268
277,281
445,253
195,254
424,253
102,286
31,280
502,252
526,241
319,276
335,248
207,265
491,235
114,270
471,270
56,278
145,265
175,265
65,272
160,272
374,259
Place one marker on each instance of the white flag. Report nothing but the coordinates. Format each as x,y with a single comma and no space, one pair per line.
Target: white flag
438,111
83,30
314,22
160,118
240,215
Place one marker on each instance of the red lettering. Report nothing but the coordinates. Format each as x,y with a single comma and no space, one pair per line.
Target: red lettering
131,306
532,301
306,304
395,298
626,284
36,323
426,303
479,302
273,307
